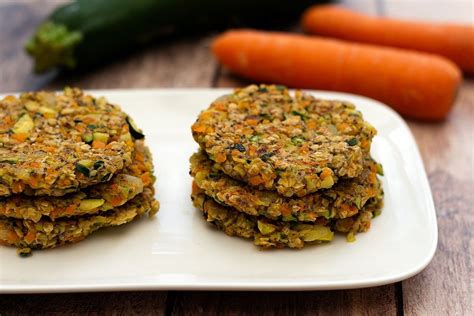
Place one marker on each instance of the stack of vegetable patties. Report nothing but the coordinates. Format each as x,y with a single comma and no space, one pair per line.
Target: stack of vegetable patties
69,165
284,170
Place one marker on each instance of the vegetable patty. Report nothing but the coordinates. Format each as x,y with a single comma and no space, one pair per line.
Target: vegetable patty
27,235
268,234
294,145
99,198
53,144
344,199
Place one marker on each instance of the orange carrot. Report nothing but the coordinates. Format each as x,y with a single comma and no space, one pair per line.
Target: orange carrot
418,85
117,200
98,144
455,42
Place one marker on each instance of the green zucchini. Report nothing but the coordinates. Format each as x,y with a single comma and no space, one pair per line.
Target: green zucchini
11,160
85,33
46,110
102,137
352,141
24,125
327,182
98,164
83,166
134,130
87,137
90,204
264,228
317,232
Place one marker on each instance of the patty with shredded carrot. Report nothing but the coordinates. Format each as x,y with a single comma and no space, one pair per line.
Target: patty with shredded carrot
295,145
27,235
344,199
98,198
57,143
267,233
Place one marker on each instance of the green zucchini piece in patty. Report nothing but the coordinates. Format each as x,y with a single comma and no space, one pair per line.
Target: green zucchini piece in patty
102,137
90,204
134,130
83,166
24,125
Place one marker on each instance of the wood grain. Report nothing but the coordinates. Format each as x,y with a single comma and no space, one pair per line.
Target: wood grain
446,286
372,301
123,303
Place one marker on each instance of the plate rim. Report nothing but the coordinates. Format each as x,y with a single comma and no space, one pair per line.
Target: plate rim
232,285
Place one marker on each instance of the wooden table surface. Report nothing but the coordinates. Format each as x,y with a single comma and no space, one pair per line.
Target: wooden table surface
445,287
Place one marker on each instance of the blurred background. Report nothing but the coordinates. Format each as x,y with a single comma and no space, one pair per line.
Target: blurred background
182,60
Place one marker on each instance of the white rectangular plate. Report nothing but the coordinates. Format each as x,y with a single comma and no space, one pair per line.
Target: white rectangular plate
179,250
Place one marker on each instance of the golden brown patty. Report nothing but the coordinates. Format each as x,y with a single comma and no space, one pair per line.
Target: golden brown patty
271,140
98,198
53,144
267,233
27,235
343,200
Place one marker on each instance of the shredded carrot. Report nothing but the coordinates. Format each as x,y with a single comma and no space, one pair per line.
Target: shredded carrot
33,182
304,148
117,200
194,188
146,178
21,137
255,180
311,124
365,144
221,157
268,177
65,182
49,115
35,164
9,98
51,175
97,144
30,236
8,120
285,210
325,173
252,122
88,120
56,211
50,149
220,106
12,237
71,208
17,187
252,151
199,128
139,157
